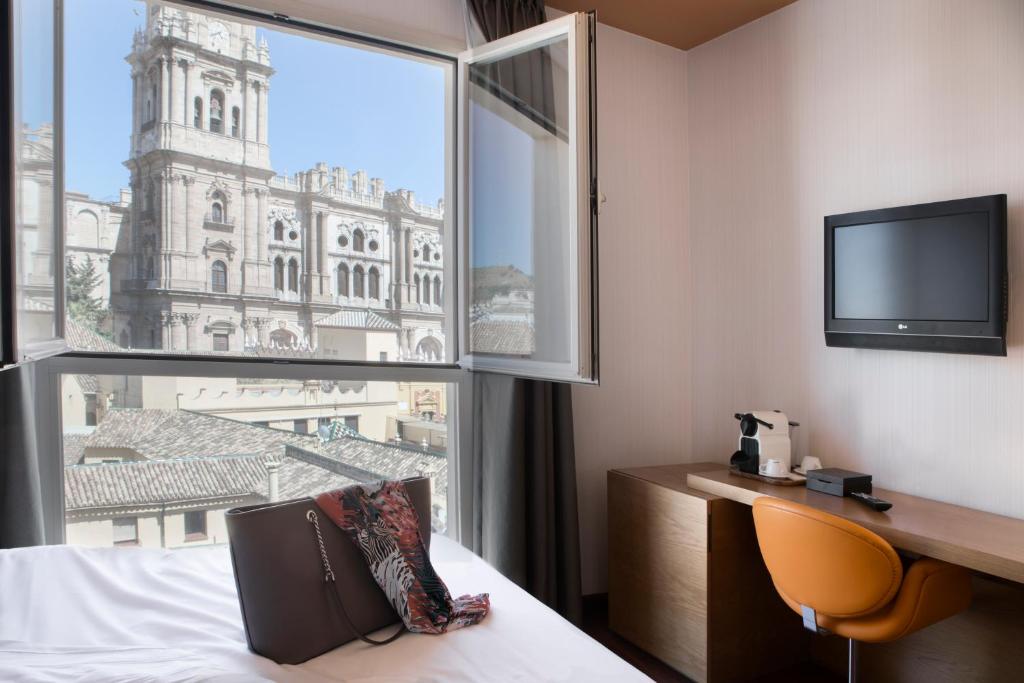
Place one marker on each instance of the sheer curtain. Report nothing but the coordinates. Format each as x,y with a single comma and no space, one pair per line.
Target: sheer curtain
525,513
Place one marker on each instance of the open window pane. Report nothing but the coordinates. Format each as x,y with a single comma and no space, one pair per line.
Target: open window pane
245,189
526,131
160,459
36,179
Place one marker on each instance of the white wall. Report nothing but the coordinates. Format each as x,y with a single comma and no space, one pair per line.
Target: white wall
826,107
640,415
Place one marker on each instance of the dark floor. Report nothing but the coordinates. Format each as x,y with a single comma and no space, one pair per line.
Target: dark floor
595,624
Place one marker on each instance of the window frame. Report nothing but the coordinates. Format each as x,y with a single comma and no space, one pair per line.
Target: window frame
454,372
580,30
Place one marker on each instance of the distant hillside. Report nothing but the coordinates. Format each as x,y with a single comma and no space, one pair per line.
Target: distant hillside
492,281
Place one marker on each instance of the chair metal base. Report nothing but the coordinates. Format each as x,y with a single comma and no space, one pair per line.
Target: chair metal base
851,661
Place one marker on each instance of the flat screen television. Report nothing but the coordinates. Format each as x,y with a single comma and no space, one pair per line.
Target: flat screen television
929,277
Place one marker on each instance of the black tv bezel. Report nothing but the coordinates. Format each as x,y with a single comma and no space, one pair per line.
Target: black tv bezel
986,337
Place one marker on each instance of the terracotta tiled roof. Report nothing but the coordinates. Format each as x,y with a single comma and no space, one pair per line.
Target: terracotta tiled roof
356,319
191,456
74,445
80,338
502,336
138,484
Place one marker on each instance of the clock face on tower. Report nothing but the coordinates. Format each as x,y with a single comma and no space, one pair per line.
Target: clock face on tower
218,36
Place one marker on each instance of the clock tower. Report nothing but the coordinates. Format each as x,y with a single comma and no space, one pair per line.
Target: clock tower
200,172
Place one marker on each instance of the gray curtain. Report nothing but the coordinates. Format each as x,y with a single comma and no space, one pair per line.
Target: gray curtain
21,498
525,515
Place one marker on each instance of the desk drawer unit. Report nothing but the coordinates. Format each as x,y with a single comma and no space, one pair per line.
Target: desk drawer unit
686,582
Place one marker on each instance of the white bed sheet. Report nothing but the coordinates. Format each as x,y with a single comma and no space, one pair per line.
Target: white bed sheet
116,614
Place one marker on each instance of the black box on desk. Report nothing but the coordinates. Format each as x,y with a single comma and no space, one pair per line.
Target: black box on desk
838,482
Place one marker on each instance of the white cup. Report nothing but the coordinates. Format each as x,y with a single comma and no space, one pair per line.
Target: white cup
810,463
772,468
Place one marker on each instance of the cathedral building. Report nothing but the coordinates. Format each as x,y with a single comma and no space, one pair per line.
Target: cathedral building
218,253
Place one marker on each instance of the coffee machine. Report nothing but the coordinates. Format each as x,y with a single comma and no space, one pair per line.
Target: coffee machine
764,435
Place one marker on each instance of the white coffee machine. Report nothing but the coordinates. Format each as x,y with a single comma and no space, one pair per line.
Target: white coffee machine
764,435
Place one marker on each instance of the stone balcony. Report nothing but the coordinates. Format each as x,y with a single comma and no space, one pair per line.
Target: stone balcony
224,224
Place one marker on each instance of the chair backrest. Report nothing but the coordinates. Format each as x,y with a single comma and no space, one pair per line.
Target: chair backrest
825,562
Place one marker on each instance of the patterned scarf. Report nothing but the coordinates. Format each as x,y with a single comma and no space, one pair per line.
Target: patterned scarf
381,521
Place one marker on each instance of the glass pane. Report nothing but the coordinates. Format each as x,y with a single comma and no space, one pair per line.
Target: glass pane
521,205
34,172
164,457
262,193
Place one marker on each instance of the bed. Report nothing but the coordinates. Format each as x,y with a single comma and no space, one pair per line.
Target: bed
124,614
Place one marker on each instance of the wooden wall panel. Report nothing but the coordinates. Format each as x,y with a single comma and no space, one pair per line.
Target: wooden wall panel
826,107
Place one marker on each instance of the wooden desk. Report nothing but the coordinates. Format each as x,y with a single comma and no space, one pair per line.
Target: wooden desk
686,581
970,538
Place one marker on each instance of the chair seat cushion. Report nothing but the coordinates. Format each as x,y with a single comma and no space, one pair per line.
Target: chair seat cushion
931,591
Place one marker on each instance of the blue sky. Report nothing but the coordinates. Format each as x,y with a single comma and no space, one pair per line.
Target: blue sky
368,111
377,112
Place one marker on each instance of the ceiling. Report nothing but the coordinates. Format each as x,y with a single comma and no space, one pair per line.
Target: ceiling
679,23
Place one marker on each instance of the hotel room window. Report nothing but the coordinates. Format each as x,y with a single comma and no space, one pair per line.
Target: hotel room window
520,311
530,202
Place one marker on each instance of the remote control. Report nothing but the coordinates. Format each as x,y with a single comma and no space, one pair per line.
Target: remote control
872,502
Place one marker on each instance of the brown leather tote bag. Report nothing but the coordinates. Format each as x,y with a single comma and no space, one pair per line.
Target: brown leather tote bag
303,585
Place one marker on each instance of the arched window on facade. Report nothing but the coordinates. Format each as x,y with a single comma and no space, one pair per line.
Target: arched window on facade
358,282
293,275
426,253
437,290
197,116
278,273
217,111
236,122
217,208
279,231
219,277
416,283
374,284
342,280
357,240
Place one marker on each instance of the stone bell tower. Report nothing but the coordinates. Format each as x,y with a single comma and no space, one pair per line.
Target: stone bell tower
200,171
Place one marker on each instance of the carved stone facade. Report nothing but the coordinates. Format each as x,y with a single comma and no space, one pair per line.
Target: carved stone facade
216,251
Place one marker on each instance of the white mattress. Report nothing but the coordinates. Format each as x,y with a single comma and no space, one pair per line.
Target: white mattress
117,614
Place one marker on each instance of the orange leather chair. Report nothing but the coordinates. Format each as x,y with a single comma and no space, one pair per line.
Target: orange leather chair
846,580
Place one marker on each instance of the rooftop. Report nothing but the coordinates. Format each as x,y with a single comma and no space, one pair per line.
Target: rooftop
187,456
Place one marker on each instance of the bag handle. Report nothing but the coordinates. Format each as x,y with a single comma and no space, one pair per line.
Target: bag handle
334,592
